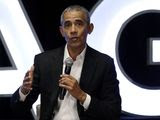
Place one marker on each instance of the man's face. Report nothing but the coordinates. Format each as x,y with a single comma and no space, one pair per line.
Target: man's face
75,29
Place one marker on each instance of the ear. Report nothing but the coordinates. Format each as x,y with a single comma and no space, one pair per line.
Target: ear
61,30
90,28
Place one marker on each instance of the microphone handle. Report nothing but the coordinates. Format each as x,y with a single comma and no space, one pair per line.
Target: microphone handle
67,70
63,90
62,93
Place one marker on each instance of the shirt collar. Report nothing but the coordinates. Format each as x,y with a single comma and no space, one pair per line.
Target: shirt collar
80,56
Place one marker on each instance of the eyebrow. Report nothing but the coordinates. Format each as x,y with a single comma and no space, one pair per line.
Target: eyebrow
66,21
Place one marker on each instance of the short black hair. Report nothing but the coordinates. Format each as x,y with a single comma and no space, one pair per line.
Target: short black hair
75,8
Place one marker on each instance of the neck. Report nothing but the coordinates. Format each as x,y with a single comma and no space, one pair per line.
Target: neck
74,52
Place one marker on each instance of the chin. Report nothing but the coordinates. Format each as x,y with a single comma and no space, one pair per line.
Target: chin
75,45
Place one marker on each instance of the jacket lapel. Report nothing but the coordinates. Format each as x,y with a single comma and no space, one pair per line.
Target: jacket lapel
88,70
57,64
56,71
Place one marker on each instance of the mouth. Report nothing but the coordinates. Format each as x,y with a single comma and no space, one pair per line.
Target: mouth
74,38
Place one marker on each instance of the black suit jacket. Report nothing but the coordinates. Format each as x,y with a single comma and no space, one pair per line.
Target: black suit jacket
98,79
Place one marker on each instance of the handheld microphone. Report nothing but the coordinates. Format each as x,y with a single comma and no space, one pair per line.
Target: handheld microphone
68,63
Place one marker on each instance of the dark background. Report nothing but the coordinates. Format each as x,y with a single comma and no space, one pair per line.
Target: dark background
134,49
45,17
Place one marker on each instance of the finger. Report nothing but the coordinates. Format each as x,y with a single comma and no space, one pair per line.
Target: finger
65,80
65,86
64,75
67,83
27,88
32,68
31,71
27,78
67,76
27,83
27,73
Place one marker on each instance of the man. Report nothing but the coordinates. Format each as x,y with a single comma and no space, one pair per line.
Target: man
92,87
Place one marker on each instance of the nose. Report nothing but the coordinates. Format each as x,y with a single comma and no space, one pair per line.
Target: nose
73,29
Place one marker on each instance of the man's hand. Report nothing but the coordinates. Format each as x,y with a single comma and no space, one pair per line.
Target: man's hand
27,82
70,83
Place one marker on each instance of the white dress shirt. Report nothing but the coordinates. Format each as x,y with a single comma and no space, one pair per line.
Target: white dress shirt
67,108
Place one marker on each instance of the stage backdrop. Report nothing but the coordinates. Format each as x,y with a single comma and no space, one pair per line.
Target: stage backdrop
127,30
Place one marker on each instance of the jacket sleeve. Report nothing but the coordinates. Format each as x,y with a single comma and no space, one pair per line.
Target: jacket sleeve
19,107
106,104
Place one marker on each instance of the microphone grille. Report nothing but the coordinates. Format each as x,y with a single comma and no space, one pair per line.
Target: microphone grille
69,61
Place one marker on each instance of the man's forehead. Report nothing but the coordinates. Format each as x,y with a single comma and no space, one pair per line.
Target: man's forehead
74,20
74,15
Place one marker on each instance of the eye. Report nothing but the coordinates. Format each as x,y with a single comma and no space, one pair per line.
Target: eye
67,24
79,23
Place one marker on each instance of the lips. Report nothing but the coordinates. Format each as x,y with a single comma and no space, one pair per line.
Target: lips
74,38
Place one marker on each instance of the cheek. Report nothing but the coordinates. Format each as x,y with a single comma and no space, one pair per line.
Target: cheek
65,34
83,33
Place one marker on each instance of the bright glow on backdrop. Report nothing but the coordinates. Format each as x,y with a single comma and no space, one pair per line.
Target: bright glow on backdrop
20,42
155,52
108,18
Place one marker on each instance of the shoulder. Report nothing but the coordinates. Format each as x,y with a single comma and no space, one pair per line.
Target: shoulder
102,61
99,56
51,53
